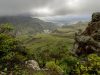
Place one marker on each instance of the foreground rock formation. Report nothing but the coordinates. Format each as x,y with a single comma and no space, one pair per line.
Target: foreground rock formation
88,41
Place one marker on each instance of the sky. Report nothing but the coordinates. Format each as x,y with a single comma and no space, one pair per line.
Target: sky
46,9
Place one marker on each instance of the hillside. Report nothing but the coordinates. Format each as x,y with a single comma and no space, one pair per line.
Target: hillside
69,30
77,25
27,24
65,51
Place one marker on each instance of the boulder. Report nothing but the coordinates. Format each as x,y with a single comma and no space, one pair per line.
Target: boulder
32,64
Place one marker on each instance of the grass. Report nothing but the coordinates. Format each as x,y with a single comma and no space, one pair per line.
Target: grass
62,36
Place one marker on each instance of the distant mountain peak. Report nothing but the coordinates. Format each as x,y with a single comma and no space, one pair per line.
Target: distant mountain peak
26,24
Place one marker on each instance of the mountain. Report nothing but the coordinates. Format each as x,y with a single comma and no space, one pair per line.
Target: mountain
76,26
27,24
69,31
67,19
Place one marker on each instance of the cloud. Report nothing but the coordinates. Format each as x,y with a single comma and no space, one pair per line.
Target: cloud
42,8
13,7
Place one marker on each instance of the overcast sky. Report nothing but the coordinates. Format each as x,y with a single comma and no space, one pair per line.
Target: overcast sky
49,8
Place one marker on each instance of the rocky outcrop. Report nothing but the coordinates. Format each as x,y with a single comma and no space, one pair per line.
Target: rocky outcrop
33,65
88,41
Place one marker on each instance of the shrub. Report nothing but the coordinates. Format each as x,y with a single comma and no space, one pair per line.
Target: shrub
53,67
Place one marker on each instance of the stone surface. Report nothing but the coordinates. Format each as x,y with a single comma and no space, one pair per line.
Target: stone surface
88,41
32,64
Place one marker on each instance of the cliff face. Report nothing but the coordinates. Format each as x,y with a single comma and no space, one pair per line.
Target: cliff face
88,41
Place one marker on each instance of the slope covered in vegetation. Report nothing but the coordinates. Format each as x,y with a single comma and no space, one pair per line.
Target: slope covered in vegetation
27,25
53,53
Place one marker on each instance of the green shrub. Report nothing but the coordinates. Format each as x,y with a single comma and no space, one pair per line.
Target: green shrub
91,66
53,67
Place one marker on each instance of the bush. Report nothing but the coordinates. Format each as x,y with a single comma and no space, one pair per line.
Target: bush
12,51
91,66
53,67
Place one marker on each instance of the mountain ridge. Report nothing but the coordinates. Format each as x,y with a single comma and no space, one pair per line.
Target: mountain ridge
27,24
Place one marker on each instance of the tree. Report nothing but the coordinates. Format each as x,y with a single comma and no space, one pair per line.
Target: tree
12,51
6,28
